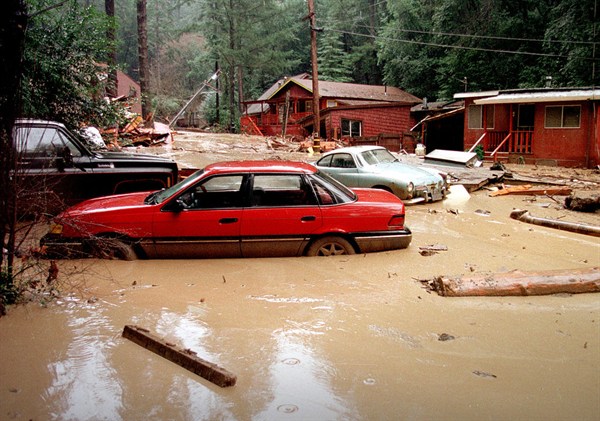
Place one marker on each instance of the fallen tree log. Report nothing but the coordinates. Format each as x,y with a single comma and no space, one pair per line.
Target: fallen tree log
575,281
523,216
184,357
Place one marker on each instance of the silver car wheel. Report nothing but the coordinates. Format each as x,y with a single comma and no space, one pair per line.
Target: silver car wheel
330,246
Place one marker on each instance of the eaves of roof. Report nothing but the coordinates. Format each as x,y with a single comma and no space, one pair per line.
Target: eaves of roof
438,117
567,95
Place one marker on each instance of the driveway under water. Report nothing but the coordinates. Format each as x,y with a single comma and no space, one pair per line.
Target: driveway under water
340,338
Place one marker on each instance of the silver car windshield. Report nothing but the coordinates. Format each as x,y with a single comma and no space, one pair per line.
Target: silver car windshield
377,156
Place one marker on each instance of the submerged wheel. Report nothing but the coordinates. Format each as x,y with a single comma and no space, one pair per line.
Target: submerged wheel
330,246
114,248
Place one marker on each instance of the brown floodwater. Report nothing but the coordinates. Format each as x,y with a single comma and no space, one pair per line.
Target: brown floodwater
341,338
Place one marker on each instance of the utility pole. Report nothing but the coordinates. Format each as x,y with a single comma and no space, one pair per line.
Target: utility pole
315,76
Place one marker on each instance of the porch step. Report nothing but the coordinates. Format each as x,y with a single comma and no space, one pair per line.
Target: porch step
500,157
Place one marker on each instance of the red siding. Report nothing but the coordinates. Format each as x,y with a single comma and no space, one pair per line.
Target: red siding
566,146
375,120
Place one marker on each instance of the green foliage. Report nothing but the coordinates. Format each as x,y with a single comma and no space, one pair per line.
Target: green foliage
62,77
8,291
334,62
430,47
480,151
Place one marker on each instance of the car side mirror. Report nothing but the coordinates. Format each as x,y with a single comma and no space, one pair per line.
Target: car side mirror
178,205
64,159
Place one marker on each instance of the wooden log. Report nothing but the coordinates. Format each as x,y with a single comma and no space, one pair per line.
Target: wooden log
524,216
184,357
528,190
514,283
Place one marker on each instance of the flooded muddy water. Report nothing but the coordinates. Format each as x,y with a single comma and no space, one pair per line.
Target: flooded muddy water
342,338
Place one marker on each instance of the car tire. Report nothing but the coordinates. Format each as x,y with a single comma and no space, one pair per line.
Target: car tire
330,246
114,248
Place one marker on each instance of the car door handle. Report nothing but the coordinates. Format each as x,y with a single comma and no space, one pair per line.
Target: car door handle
228,221
308,218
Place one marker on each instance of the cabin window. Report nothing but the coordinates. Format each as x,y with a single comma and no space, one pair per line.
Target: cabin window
304,106
563,116
351,128
477,116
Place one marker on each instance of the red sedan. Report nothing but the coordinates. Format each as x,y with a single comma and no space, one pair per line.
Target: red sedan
235,209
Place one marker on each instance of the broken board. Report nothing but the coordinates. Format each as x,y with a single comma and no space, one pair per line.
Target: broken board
184,357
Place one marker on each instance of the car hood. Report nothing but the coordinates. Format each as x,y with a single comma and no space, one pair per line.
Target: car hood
412,172
109,203
130,156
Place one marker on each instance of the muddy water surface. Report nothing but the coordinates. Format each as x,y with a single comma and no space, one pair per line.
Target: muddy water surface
344,338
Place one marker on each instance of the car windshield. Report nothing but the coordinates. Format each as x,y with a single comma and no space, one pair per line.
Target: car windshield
377,156
161,195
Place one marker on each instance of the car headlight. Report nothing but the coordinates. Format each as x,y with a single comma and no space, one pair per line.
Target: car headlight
410,187
56,229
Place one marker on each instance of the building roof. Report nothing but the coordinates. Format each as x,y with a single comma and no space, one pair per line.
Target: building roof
533,95
349,93
343,90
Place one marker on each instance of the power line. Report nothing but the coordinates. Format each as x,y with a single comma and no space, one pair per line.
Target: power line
459,47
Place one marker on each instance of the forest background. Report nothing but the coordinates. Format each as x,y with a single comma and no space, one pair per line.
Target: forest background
430,48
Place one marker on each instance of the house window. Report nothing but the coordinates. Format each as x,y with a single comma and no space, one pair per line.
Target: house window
351,128
561,116
476,116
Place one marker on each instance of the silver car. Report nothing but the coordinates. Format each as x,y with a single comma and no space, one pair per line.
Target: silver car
376,167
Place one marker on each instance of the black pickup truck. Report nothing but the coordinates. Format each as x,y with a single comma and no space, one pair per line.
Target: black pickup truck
58,165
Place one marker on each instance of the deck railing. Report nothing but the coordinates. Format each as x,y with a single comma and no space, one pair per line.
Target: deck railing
517,142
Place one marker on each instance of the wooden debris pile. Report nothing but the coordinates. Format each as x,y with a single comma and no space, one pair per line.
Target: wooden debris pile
136,133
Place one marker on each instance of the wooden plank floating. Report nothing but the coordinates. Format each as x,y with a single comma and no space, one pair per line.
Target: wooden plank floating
514,283
186,358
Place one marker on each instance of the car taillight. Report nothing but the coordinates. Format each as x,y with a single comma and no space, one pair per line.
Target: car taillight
396,222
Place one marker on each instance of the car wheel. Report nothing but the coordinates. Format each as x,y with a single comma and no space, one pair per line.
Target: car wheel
386,188
330,246
114,248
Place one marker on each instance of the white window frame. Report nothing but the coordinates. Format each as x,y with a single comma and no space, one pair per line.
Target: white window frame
475,116
562,116
351,123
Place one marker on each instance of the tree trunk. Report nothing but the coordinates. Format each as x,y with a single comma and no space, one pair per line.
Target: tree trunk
112,87
520,283
13,23
143,57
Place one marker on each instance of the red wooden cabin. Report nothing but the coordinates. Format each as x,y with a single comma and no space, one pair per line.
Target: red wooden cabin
535,126
347,110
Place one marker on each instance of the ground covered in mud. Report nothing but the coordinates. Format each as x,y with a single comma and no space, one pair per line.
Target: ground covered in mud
348,337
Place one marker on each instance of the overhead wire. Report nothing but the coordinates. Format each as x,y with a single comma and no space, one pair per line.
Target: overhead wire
454,46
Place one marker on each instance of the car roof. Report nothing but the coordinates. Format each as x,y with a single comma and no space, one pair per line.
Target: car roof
270,166
37,122
355,149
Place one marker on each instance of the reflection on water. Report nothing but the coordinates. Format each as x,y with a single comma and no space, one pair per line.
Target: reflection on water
83,386
301,379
